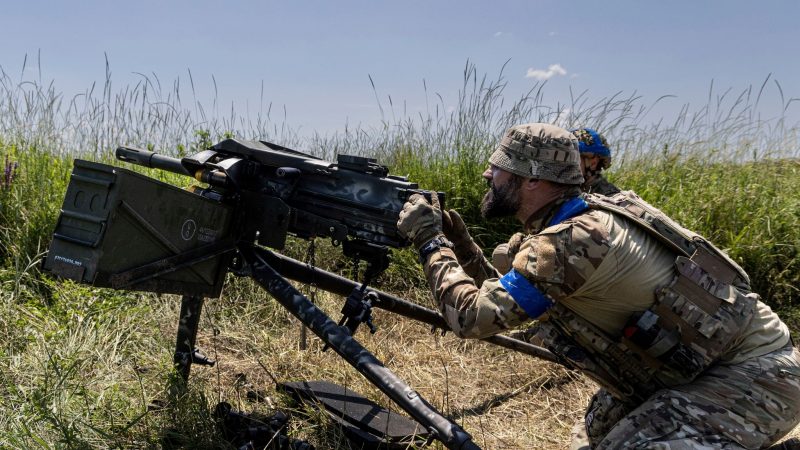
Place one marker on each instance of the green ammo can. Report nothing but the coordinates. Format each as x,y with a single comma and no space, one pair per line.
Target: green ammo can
123,230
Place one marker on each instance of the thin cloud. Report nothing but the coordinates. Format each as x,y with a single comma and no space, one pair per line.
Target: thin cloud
498,34
552,70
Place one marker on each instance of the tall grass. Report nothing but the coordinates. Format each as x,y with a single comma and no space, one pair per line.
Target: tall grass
79,366
96,121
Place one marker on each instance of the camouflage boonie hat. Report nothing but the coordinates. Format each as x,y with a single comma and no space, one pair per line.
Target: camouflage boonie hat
541,151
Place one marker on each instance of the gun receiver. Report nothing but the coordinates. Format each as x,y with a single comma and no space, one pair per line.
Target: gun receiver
290,191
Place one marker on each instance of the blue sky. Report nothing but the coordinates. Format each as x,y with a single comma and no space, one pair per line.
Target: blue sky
315,57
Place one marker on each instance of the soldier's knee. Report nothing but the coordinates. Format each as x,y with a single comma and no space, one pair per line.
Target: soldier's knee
603,413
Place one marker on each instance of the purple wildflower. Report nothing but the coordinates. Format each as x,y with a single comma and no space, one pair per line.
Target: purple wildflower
9,173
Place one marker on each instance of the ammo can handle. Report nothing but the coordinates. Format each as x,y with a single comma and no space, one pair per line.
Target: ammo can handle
145,158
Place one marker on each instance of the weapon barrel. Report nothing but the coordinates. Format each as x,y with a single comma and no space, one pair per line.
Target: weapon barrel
298,271
149,159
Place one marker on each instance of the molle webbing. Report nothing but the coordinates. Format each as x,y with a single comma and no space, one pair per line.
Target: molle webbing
693,322
653,224
681,241
700,314
610,364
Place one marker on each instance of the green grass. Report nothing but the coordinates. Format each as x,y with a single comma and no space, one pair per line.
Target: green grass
79,366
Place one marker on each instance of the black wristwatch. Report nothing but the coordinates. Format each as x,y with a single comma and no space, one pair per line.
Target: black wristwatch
432,246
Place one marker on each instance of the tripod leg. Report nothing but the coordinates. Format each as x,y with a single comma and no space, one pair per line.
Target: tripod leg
340,340
187,334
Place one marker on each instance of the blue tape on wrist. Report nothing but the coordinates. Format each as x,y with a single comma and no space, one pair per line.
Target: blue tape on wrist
527,296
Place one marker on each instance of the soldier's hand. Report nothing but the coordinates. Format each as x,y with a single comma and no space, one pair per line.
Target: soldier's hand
419,220
455,230
503,255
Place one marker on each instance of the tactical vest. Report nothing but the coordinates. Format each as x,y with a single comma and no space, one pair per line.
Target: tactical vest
694,321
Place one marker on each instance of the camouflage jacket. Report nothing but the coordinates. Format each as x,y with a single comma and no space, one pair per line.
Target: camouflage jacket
596,266
600,185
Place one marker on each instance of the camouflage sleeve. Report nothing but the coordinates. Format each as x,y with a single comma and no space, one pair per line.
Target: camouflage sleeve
559,260
475,264
470,311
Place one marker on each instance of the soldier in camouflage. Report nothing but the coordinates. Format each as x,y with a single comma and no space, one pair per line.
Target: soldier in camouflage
686,354
595,157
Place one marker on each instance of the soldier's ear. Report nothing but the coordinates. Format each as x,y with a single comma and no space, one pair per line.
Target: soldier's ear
530,184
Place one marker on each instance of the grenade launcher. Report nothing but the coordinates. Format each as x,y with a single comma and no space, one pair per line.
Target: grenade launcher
123,230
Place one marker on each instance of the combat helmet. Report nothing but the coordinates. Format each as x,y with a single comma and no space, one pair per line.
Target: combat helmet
592,143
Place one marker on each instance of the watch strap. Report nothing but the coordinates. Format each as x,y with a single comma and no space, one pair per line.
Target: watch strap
431,246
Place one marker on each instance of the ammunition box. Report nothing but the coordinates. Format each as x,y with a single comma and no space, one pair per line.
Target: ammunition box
123,230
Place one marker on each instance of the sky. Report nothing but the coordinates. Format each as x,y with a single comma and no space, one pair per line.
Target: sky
315,59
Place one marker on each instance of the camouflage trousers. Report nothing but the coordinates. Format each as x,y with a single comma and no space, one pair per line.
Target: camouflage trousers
749,405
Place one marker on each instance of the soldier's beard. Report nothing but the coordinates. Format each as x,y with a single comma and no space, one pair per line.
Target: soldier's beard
503,201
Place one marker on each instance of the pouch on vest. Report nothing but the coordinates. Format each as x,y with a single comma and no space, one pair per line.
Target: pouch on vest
580,345
700,314
704,312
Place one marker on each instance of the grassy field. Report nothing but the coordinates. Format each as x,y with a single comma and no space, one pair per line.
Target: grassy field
80,366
